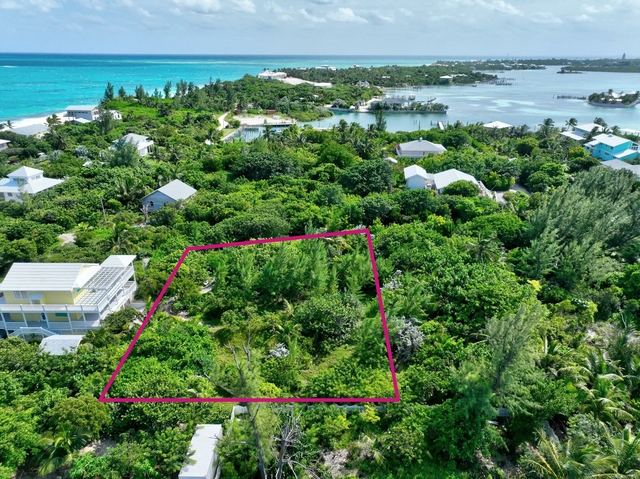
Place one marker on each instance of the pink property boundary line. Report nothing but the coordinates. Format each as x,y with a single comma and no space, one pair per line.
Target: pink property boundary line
366,232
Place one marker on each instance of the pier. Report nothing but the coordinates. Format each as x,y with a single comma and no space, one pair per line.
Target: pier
570,97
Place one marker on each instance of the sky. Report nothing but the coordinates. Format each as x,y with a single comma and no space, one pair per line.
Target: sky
545,28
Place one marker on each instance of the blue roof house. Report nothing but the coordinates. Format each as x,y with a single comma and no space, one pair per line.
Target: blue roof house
169,193
611,147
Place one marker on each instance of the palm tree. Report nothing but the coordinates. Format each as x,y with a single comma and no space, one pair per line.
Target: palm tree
268,133
571,123
486,249
61,447
53,120
623,454
571,460
597,381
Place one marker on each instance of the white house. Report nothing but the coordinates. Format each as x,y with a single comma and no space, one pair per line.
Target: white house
4,144
142,143
25,180
416,177
89,113
580,132
364,84
56,298
419,149
445,178
497,125
323,85
169,193
622,165
203,455
269,75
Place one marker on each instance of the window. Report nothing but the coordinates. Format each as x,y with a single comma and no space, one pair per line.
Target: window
21,294
151,203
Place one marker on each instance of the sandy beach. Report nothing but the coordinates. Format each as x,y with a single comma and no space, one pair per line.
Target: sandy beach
41,120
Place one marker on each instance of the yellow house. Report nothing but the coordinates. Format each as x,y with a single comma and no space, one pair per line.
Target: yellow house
42,298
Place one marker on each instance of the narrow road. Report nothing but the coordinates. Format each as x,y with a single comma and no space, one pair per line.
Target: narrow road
223,123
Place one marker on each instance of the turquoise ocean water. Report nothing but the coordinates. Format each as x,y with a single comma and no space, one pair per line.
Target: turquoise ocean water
38,84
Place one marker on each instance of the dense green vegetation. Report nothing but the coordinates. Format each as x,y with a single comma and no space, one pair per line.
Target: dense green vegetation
607,98
499,65
513,323
298,307
393,76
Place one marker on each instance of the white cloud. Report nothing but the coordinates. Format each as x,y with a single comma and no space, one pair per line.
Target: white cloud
376,16
405,12
245,6
91,19
545,18
281,13
346,15
598,9
584,19
499,6
93,4
206,7
42,5
311,17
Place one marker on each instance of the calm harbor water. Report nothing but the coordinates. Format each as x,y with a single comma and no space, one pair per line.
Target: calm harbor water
37,85
528,101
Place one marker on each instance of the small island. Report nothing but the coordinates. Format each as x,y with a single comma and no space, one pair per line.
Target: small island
613,99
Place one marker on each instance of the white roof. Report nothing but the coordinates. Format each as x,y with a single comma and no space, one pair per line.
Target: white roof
134,139
572,135
203,445
8,185
81,108
48,276
118,261
445,178
80,121
622,165
177,190
497,125
414,170
24,172
61,344
421,145
391,160
611,140
587,127
626,152
4,142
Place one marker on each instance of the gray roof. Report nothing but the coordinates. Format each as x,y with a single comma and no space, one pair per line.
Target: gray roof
203,445
422,145
622,165
134,139
176,190
61,344
48,276
445,178
30,130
